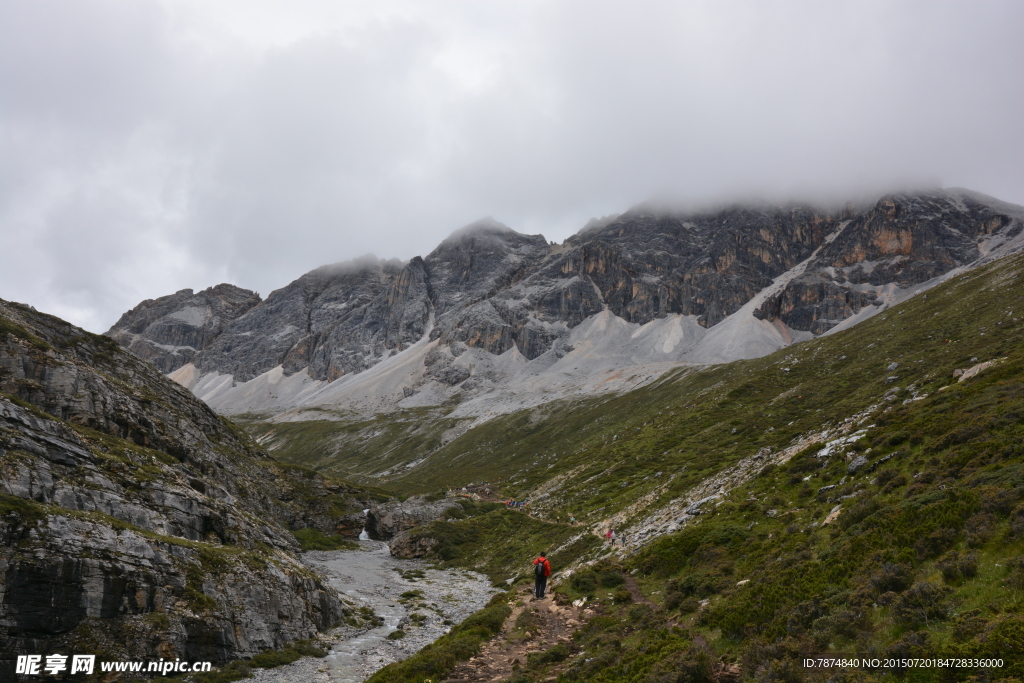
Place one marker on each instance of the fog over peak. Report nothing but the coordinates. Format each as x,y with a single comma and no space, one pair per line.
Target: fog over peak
151,146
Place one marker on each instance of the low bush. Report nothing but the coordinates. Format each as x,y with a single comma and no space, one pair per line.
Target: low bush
552,655
922,604
313,539
957,567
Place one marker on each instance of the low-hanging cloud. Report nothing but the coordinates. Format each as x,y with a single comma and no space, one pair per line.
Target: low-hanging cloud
151,146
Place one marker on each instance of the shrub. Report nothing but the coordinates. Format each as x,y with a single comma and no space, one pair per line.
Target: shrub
610,579
892,577
622,596
845,623
689,605
957,566
922,604
935,542
895,483
274,658
1015,577
584,582
696,665
859,512
979,529
553,655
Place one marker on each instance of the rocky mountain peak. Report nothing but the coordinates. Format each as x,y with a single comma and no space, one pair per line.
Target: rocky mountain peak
787,270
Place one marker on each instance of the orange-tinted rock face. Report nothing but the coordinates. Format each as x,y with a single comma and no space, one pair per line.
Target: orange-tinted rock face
903,240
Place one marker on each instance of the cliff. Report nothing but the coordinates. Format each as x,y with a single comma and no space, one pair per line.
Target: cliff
134,522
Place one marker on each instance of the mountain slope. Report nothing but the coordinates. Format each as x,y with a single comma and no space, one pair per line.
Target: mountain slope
862,492
134,522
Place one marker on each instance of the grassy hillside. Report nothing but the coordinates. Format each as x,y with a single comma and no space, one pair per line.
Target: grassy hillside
924,553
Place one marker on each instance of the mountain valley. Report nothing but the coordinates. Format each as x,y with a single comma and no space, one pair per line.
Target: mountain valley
803,424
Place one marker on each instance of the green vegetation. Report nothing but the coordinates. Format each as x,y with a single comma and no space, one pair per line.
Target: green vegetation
355,449
312,539
437,659
502,543
10,327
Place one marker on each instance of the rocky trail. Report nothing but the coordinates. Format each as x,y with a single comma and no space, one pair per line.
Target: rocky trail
535,626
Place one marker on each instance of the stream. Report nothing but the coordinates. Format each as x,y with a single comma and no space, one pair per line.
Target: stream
371,577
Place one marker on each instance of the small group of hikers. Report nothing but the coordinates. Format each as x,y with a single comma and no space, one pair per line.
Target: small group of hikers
610,535
515,504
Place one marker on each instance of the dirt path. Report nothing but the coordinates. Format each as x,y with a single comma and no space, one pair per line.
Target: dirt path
533,626
634,590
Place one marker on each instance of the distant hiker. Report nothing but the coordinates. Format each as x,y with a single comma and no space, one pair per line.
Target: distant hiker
541,572
611,536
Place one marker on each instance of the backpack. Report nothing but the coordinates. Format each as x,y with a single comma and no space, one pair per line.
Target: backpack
538,569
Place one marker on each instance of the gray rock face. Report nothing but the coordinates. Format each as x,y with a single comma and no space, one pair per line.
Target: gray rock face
905,239
334,320
134,520
171,330
489,287
387,520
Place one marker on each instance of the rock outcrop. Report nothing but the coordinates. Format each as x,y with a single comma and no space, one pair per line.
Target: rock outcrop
904,240
386,520
171,330
137,523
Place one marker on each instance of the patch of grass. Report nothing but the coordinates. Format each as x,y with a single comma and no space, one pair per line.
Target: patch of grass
31,407
313,539
8,326
28,511
275,658
269,659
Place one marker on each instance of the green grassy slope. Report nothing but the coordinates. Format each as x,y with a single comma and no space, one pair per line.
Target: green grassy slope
925,557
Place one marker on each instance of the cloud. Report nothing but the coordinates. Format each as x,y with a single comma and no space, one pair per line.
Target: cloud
151,146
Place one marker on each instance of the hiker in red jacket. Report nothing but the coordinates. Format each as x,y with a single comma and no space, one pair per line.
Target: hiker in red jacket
541,572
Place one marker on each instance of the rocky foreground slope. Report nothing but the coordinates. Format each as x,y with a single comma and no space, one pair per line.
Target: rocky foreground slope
492,313
134,522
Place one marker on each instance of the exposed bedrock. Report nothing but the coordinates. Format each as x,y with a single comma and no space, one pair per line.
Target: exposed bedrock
386,520
171,330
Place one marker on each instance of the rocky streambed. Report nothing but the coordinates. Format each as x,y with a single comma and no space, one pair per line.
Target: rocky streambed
409,596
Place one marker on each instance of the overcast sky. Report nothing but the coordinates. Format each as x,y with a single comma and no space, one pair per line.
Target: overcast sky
146,147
